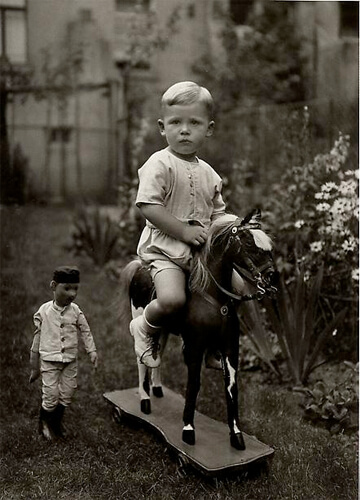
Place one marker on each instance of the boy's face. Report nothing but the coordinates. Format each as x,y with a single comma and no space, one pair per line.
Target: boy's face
185,127
64,293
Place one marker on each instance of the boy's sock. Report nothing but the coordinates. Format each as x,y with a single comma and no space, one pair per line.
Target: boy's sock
146,341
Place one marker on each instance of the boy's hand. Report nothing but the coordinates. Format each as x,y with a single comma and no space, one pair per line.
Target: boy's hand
195,235
94,358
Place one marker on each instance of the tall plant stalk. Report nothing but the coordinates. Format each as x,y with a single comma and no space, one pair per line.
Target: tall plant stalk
294,318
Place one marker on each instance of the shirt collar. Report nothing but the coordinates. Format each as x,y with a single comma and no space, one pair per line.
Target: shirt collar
58,308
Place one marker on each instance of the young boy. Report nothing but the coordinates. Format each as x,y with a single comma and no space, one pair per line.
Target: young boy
179,195
54,348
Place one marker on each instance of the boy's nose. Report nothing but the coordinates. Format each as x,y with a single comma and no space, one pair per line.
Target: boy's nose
184,129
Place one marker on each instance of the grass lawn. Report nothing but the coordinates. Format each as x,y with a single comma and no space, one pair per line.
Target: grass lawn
102,459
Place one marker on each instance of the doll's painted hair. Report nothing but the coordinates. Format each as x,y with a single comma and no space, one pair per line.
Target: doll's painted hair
187,93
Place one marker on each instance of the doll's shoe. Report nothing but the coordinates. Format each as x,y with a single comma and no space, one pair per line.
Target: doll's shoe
146,344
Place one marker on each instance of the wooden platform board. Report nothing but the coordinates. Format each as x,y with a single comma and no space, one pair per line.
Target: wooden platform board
212,453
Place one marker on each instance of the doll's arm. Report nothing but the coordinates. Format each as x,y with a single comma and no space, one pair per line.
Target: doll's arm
34,350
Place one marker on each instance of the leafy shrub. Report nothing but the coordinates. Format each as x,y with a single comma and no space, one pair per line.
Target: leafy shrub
15,177
314,213
94,234
260,344
295,320
107,233
336,407
321,217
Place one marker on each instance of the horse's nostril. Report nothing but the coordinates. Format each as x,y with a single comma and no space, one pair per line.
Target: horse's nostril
269,276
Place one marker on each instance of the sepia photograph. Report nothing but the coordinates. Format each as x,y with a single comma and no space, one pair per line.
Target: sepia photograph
179,228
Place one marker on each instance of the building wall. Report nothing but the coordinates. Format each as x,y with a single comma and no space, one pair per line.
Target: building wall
88,155
332,57
100,113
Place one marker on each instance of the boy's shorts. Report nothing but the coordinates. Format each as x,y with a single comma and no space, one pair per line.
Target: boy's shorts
156,266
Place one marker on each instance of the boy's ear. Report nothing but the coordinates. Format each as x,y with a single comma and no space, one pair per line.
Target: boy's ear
52,285
210,129
161,127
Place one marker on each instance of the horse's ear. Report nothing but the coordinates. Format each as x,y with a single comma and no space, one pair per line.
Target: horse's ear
253,217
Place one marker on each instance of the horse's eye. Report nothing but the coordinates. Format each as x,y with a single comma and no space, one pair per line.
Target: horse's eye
234,230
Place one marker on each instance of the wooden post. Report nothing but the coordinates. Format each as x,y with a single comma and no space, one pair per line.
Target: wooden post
77,142
113,137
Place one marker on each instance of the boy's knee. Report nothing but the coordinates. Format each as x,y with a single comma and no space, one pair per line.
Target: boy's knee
172,303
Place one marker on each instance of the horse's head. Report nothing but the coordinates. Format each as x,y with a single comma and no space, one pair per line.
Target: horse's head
250,250
240,245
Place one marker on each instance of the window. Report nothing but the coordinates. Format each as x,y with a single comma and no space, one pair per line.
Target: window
239,10
13,34
131,5
61,134
349,19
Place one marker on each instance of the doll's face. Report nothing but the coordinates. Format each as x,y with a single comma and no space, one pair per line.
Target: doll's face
186,127
64,293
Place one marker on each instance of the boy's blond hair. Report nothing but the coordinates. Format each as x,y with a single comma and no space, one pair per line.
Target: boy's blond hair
188,93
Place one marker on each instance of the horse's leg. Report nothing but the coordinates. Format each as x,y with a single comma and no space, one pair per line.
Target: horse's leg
143,371
193,359
144,387
230,366
156,372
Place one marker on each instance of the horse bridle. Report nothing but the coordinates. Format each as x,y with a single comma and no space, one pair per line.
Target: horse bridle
253,274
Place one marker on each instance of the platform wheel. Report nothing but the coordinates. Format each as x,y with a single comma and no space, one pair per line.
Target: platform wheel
116,415
183,466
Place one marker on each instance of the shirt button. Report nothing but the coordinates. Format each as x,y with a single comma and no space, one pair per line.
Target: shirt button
63,349
62,339
189,176
61,326
191,193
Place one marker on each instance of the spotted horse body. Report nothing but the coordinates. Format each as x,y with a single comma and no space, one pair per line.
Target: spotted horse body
209,320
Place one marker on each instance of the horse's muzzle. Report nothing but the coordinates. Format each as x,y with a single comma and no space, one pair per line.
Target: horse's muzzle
269,281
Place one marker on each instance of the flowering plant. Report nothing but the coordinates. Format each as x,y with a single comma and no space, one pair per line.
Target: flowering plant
314,213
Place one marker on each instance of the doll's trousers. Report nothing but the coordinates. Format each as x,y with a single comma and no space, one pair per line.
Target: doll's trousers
58,383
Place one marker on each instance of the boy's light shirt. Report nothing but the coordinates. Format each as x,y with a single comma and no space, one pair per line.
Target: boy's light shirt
188,190
56,334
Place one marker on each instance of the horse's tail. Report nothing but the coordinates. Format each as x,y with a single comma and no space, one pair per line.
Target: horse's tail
126,277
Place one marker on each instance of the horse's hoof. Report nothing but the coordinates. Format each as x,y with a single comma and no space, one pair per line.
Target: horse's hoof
188,436
145,406
237,441
157,391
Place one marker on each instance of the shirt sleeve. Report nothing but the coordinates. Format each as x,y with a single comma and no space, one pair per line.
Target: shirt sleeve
153,183
218,202
36,340
85,332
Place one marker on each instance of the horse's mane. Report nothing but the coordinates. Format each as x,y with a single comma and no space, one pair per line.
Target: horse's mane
219,229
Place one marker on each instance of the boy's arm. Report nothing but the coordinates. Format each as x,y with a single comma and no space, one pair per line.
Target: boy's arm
167,223
219,204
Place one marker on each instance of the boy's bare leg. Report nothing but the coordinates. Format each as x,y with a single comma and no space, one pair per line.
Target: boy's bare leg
171,296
